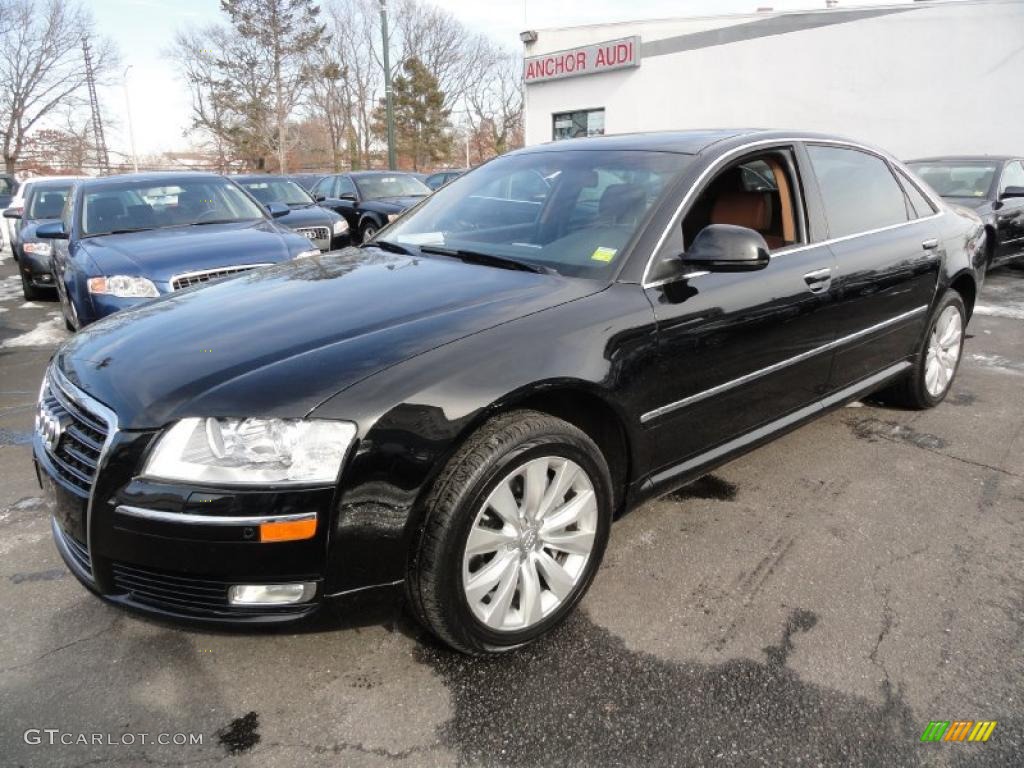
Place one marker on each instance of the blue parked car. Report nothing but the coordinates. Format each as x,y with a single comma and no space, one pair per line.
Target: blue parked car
124,239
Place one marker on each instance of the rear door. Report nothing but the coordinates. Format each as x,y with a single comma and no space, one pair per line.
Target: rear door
887,260
1010,213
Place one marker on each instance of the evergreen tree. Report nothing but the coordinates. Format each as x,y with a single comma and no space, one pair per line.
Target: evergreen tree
422,128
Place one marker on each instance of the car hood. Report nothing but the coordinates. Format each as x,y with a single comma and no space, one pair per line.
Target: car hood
390,204
279,341
160,254
312,216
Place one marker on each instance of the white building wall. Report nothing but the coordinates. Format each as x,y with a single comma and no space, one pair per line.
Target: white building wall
938,78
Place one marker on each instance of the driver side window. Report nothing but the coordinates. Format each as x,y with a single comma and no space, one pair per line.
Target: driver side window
1013,176
345,186
757,192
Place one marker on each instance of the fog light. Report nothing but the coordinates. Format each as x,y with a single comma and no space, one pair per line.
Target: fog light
271,594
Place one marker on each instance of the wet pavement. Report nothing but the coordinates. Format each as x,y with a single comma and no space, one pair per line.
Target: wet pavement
816,602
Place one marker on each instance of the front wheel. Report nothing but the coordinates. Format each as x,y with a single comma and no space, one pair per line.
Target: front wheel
369,230
29,291
938,359
515,530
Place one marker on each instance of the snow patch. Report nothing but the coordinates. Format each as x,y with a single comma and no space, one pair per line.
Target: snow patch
1014,313
50,332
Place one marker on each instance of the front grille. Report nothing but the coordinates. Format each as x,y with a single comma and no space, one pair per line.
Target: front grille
181,593
320,236
78,552
75,436
195,278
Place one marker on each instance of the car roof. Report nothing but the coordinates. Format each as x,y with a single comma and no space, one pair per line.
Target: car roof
964,159
261,177
151,177
688,142
371,174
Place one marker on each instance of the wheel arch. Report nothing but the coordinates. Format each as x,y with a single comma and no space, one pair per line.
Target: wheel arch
964,284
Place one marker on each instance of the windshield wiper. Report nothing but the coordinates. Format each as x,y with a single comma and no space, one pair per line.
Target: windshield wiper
120,231
388,245
215,221
487,259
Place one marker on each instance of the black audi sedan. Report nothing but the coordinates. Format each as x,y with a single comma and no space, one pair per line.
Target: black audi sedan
460,407
993,187
369,200
324,228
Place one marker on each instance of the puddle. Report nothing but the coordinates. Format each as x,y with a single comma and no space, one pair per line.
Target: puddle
241,734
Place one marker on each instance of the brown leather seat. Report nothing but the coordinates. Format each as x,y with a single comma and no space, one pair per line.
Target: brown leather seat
746,209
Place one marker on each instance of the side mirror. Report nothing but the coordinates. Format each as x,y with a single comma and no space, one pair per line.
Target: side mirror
52,230
727,248
1008,192
13,213
277,210
319,198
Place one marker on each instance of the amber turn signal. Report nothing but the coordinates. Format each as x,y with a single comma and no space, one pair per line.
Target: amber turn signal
288,530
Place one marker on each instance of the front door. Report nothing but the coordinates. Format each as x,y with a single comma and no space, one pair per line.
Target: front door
740,350
887,260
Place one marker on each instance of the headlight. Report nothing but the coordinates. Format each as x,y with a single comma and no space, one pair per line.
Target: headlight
393,216
301,254
340,227
123,286
251,451
39,249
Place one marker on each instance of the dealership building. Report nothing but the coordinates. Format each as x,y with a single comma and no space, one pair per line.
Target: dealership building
923,78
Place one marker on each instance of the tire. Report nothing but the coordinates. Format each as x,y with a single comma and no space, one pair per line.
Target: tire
29,291
369,229
916,391
460,504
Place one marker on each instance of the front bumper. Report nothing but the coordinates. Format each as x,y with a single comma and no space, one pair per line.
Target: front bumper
36,269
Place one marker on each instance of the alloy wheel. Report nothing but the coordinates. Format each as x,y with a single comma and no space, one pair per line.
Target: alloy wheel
943,351
530,543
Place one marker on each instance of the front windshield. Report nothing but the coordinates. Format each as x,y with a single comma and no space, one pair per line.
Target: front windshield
48,202
573,211
277,191
390,185
136,205
957,179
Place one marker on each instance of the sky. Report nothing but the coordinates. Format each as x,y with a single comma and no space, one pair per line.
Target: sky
159,102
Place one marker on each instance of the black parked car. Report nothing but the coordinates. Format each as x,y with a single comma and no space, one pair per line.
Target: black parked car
369,199
324,228
44,202
306,180
460,407
993,187
439,179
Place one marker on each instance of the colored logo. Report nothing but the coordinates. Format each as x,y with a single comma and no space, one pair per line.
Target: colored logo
958,730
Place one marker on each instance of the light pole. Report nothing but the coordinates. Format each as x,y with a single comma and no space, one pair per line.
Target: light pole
388,106
128,111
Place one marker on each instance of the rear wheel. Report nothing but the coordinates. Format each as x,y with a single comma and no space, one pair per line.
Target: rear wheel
516,527
938,359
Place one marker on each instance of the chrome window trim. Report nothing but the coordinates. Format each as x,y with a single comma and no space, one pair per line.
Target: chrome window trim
746,379
239,267
715,166
190,519
97,408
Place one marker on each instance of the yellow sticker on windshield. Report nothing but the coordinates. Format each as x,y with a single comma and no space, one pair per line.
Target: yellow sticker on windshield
604,254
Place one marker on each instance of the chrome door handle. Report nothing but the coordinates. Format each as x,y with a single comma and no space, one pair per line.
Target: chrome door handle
819,280
930,245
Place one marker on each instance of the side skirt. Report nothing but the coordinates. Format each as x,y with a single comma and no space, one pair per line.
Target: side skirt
679,475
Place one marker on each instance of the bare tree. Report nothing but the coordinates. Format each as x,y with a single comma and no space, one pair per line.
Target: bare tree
494,105
41,65
284,31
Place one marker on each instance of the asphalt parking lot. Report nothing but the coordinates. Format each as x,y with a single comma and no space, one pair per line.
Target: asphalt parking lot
817,602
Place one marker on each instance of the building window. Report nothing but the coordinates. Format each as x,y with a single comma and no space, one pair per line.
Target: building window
573,125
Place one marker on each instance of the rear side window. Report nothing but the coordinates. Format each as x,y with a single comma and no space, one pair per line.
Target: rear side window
345,186
920,204
858,189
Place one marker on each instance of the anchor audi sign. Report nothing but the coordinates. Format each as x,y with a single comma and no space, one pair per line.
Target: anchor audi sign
587,60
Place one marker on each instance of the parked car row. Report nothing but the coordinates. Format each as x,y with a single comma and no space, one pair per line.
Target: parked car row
460,407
